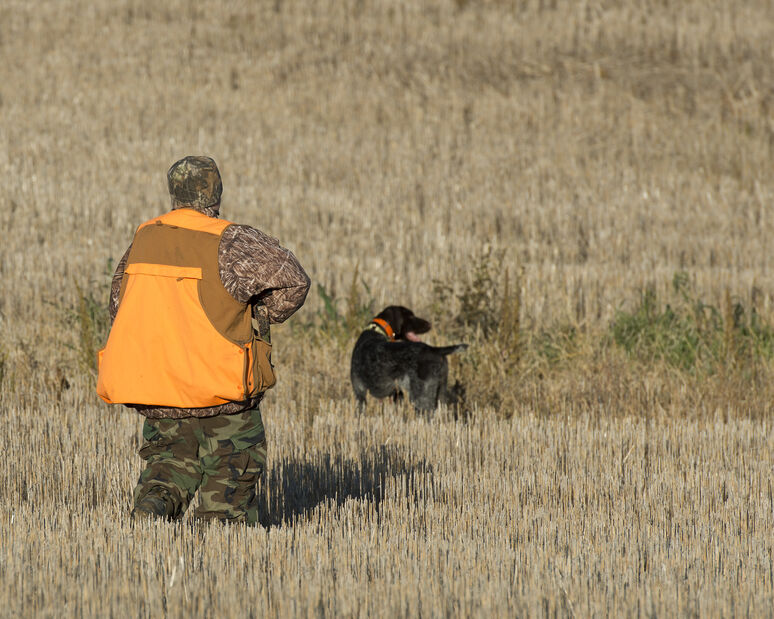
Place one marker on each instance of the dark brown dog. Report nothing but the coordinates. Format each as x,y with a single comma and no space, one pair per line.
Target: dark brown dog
389,357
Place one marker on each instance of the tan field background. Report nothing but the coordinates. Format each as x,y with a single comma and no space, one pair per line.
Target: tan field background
594,148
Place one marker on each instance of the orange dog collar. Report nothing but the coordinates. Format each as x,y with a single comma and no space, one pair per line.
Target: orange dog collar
385,326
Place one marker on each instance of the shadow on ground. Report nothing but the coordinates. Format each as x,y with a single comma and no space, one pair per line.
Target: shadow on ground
292,488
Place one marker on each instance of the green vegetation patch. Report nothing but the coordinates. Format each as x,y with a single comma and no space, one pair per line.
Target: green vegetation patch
339,319
690,334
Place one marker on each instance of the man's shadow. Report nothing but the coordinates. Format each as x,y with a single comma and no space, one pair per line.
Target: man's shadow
292,488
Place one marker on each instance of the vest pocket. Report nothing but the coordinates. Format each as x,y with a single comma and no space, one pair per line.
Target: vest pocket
262,376
163,270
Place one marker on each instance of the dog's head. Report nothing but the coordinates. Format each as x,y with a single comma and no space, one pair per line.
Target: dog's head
404,324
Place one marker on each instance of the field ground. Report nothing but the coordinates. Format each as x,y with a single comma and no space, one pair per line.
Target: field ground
581,191
383,516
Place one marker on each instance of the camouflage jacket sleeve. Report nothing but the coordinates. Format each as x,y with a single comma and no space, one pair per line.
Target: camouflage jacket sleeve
115,287
254,267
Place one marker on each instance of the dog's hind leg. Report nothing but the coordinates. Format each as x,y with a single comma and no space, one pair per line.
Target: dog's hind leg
453,395
424,396
428,386
360,394
454,398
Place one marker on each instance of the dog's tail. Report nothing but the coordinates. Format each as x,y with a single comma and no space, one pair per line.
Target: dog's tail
447,350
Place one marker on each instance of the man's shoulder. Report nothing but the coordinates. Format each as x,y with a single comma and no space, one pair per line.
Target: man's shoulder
243,240
247,234
237,228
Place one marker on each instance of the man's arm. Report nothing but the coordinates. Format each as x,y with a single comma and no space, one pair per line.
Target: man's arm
253,266
115,288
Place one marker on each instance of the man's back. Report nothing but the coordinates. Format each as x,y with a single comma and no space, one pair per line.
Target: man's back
180,339
253,269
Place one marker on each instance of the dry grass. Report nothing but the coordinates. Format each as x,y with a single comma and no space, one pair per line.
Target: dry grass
596,148
379,515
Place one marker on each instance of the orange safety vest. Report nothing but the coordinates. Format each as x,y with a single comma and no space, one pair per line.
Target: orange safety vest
179,338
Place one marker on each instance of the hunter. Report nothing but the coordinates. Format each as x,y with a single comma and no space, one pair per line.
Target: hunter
189,348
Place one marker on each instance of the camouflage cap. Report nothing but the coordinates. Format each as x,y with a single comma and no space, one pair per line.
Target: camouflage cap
195,181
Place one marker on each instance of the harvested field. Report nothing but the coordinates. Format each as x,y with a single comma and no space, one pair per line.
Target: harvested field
383,516
581,191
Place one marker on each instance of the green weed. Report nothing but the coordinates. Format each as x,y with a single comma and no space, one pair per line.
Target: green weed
472,304
556,343
486,305
88,320
93,324
483,310
690,334
340,318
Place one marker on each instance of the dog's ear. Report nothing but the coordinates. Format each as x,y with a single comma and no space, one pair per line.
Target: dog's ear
415,324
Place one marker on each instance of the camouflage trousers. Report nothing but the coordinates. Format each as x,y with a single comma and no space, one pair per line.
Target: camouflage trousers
222,457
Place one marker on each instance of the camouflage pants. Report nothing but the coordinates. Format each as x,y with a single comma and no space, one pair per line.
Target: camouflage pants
223,457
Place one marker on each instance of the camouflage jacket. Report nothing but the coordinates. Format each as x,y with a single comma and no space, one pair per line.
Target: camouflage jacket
252,265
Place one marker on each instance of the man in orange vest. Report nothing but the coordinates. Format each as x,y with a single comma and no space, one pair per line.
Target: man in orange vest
189,348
